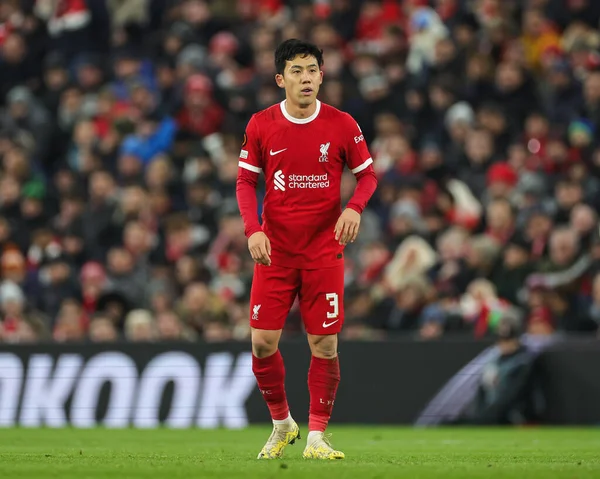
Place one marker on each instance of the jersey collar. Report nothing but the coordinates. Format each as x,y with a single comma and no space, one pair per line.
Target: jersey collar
300,121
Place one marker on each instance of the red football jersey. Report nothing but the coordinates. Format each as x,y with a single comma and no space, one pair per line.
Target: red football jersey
303,161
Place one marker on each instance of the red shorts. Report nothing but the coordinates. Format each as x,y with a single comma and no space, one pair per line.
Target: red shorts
320,291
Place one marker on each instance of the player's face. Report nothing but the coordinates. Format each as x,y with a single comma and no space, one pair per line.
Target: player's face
301,79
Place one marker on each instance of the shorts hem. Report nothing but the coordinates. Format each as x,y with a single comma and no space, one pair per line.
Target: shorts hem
267,328
325,333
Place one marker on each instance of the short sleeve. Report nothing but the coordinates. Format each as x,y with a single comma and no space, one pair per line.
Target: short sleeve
250,154
358,157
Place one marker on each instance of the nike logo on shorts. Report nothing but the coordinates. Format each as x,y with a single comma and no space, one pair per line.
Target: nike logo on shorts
273,153
326,324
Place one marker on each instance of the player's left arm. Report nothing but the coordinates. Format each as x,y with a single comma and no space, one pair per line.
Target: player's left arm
360,162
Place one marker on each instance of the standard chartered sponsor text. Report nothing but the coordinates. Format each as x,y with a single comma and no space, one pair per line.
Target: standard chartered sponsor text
308,181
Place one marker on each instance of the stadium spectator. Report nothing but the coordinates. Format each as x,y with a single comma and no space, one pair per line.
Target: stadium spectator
140,326
170,328
102,330
120,128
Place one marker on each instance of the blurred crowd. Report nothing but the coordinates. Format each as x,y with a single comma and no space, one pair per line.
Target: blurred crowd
120,129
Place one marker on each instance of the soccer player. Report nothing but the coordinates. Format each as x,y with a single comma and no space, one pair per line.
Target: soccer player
302,146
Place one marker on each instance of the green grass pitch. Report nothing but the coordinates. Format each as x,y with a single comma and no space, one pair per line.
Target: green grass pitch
371,452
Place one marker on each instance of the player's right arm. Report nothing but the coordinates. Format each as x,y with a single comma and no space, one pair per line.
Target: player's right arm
250,167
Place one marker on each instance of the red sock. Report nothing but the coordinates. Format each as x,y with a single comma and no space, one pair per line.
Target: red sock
323,380
270,376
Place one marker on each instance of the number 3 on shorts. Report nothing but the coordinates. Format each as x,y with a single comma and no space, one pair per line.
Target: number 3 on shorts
333,299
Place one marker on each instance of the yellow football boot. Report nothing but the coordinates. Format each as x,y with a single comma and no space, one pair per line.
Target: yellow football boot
282,435
319,447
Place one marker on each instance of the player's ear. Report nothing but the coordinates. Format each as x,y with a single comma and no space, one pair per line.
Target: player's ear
321,75
279,80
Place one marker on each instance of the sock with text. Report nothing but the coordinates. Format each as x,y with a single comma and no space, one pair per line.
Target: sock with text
323,380
270,376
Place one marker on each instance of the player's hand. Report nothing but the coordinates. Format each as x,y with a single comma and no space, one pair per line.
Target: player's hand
346,228
260,248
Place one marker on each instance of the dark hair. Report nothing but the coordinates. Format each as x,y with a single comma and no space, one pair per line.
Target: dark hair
290,49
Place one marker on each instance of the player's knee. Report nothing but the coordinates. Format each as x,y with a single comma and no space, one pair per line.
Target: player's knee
324,346
264,343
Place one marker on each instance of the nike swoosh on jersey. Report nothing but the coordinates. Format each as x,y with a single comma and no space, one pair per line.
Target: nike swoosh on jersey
326,325
273,153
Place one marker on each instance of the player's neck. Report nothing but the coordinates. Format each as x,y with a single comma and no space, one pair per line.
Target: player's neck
299,112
